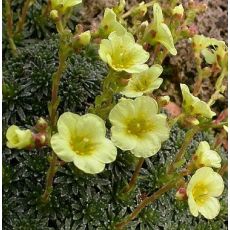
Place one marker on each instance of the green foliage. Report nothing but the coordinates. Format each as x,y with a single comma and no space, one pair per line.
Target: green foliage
27,81
37,24
81,201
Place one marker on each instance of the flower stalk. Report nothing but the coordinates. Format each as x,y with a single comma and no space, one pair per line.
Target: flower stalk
9,27
21,21
146,202
53,105
187,140
134,177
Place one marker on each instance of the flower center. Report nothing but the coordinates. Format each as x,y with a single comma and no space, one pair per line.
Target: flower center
138,127
200,193
82,145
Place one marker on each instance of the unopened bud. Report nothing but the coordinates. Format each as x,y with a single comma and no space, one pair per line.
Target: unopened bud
54,15
84,38
163,101
192,120
178,10
41,125
39,140
181,194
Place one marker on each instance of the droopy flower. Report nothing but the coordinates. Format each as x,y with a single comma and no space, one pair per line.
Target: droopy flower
144,82
63,5
123,54
17,138
204,156
137,127
193,105
179,10
203,188
200,42
81,140
110,24
158,31
216,55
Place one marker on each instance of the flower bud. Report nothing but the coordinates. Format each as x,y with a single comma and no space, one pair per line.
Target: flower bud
204,156
41,125
163,101
54,15
181,194
84,38
17,138
178,10
39,140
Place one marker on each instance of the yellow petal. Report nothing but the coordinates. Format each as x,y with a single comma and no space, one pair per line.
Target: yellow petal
146,105
122,139
92,126
88,164
148,146
121,112
105,48
164,37
67,124
62,148
210,209
105,152
192,206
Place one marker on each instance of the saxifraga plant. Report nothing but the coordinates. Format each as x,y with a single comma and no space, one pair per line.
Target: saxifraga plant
135,125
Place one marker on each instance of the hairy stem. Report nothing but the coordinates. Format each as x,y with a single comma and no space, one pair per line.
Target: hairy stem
144,203
21,21
129,12
9,27
134,177
49,178
56,78
223,169
187,140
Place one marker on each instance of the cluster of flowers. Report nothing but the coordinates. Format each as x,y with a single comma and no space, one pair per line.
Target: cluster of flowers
137,124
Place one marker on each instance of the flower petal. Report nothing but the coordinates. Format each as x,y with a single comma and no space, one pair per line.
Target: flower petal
122,139
62,148
147,146
164,37
146,105
192,206
106,152
67,123
161,128
105,49
122,112
215,184
92,126
88,164
210,209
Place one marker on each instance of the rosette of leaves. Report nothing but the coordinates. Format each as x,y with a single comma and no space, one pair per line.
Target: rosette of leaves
27,81
81,201
37,23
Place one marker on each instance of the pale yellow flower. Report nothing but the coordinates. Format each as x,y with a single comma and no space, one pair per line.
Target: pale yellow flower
193,105
137,126
158,31
144,82
179,10
203,188
123,54
110,24
17,138
81,140
63,5
204,156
